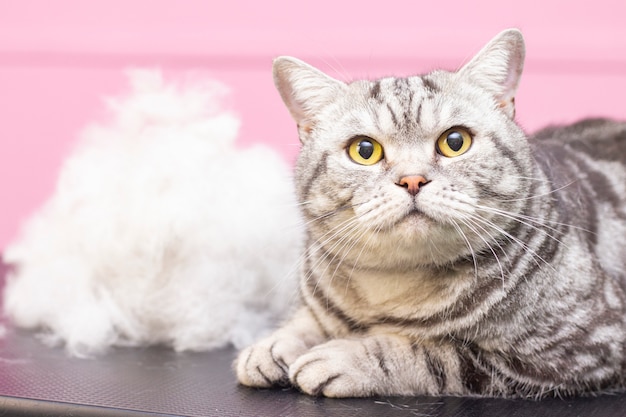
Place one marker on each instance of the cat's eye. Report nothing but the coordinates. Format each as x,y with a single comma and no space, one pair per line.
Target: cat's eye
365,151
454,142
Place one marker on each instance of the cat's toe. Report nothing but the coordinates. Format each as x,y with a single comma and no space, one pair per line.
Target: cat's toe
328,371
266,363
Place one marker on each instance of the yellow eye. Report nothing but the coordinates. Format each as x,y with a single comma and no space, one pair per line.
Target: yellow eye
365,151
454,142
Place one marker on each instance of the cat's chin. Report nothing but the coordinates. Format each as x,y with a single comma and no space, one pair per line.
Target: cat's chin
413,228
415,221
424,237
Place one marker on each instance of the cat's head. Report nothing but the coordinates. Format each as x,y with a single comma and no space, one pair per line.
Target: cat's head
414,169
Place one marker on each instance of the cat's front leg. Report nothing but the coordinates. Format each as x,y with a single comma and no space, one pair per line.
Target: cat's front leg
377,365
267,362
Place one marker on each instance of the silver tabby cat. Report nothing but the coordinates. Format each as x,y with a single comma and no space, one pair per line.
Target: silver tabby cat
448,253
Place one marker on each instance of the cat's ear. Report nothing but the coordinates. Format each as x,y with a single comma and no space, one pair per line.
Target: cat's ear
305,90
498,68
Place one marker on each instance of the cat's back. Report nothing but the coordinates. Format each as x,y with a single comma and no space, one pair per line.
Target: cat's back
598,139
586,165
585,162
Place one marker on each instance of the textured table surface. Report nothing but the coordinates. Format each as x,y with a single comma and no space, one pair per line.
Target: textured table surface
39,380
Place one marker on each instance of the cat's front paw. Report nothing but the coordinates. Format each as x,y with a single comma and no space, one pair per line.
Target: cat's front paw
333,370
266,363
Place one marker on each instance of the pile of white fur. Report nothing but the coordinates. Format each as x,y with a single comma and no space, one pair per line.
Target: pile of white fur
160,231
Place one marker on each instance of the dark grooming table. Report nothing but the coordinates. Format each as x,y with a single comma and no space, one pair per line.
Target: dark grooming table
36,380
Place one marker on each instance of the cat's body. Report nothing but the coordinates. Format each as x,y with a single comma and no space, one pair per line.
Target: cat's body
447,253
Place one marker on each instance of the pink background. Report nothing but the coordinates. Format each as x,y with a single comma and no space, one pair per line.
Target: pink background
58,58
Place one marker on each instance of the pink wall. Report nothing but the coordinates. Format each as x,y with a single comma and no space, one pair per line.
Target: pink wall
57,58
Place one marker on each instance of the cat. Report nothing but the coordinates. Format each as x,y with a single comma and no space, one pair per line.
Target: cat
447,253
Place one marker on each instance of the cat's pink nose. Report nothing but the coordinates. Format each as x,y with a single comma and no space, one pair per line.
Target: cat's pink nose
412,183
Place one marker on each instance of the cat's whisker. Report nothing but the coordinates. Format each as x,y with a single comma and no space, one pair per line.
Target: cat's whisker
504,233
537,179
346,248
470,225
363,247
335,231
332,213
332,233
475,221
335,235
469,246
344,243
343,246
546,223
345,231
534,196
322,241
523,245
521,220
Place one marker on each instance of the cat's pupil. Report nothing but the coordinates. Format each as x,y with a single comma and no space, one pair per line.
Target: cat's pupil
366,149
455,141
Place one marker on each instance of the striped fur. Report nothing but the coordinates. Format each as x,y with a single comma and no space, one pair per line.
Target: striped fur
502,276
